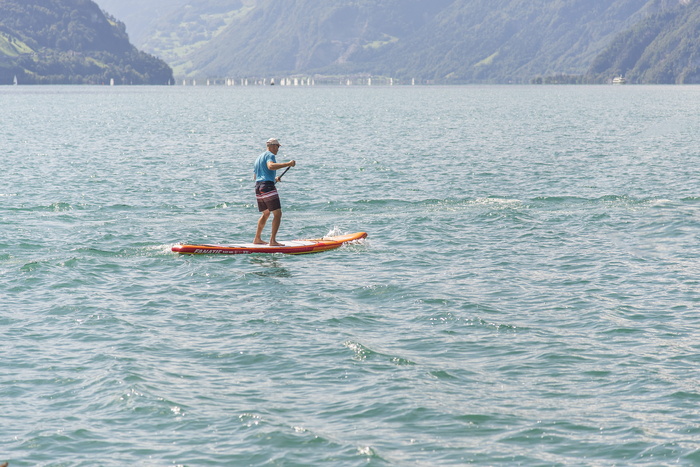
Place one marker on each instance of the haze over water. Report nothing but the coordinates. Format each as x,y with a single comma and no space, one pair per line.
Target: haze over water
528,292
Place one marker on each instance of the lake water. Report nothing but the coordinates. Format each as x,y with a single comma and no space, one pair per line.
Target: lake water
528,293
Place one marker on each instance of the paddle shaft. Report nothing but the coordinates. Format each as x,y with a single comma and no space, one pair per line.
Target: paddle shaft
285,171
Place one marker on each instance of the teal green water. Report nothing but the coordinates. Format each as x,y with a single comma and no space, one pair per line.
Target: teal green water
528,293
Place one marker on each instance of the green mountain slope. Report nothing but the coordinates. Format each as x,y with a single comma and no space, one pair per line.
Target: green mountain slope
453,41
274,36
517,41
662,49
443,40
175,29
70,42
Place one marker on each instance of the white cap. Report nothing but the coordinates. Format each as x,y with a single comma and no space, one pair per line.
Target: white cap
274,141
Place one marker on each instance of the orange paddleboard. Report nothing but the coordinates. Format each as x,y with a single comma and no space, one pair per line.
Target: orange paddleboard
295,247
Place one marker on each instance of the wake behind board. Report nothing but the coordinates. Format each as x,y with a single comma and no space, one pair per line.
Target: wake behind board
295,247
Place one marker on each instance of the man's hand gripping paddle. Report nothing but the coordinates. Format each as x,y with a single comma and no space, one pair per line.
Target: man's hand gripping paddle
285,171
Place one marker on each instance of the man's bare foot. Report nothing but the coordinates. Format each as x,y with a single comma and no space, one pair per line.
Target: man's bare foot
259,242
276,244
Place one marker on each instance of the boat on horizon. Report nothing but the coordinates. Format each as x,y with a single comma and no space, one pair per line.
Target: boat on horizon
619,80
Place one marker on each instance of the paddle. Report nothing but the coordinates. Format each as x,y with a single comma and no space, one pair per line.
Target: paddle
285,171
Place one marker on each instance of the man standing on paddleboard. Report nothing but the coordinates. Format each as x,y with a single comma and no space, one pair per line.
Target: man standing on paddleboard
265,192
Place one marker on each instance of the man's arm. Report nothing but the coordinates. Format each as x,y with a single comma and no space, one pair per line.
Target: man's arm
280,165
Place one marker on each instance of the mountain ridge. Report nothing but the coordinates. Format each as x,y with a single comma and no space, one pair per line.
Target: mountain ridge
446,41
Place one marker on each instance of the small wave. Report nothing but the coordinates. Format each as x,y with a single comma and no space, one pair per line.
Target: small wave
31,266
370,292
384,202
357,245
447,203
443,375
228,205
335,231
117,207
625,200
60,207
368,452
53,207
561,199
164,249
449,318
498,202
362,353
607,200
421,205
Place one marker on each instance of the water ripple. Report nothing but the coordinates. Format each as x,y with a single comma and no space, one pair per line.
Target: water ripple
527,293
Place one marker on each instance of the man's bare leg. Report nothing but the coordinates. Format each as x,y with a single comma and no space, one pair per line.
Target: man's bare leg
261,225
276,221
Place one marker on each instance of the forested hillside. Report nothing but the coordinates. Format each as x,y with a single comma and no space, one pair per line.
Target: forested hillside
512,40
662,49
450,41
70,42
